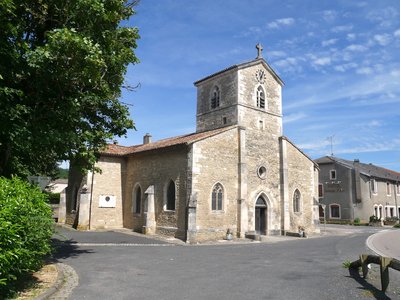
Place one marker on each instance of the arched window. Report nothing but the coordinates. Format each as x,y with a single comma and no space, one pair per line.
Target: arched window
296,201
216,197
260,97
171,196
137,200
215,96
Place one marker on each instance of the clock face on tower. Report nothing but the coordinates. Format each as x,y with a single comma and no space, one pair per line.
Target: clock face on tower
260,76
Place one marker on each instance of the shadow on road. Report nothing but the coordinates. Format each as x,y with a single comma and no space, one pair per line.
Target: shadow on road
66,249
366,286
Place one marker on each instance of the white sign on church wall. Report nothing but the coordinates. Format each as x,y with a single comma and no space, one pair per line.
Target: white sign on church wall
107,201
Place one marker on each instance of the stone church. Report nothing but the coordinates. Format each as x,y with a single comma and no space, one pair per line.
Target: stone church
236,173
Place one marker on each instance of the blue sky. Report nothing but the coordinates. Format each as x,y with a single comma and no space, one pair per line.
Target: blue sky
340,61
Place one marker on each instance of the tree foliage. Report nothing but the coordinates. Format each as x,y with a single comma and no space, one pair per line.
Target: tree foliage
25,229
62,67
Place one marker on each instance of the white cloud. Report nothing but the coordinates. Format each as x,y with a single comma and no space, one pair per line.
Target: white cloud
289,64
356,48
280,22
323,61
276,54
329,42
397,33
329,15
289,61
293,117
374,123
364,70
345,67
372,147
251,31
366,87
342,28
351,36
382,39
383,16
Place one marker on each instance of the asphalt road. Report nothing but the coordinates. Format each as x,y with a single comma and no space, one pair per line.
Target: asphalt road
120,266
386,243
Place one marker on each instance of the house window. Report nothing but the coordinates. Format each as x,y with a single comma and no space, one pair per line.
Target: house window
391,209
216,197
334,210
332,174
320,190
374,186
398,188
296,201
388,192
215,97
171,196
137,200
260,97
376,213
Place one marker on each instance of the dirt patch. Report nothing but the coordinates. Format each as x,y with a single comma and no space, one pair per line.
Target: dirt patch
37,283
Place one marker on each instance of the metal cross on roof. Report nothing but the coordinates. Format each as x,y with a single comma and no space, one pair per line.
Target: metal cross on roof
259,50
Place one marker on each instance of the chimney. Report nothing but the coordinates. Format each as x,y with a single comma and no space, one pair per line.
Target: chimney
356,160
147,138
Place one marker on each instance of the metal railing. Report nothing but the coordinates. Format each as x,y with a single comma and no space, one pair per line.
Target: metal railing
384,262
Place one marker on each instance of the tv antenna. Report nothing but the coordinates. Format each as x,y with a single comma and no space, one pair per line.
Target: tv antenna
330,139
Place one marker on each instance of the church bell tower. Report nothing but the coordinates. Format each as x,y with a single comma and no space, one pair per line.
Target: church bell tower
246,94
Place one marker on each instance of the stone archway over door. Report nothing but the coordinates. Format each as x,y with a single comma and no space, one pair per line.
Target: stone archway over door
261,215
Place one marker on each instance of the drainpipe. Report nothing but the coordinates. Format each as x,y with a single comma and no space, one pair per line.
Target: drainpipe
91,198
395,200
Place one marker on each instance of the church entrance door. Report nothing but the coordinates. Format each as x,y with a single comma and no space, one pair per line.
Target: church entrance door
261,216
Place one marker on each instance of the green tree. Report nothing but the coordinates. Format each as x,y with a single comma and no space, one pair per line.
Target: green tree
62,66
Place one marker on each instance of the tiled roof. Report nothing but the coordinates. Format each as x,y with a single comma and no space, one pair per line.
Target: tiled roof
366,169
117,150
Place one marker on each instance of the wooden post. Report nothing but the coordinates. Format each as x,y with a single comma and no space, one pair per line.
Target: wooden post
364,264
385,262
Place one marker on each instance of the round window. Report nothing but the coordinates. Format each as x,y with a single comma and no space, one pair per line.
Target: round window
262,172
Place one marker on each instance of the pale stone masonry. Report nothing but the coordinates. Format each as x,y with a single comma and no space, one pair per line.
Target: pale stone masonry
236,173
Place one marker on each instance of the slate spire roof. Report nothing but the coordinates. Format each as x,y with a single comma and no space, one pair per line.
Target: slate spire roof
369,170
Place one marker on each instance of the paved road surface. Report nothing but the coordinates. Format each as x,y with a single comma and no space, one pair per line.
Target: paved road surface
291,269
386,243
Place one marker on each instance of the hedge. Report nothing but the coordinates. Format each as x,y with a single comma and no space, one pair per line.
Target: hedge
26,227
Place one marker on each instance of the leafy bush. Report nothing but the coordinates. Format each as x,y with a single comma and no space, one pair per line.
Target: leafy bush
357,221
396,226
25,230
373,219
54,198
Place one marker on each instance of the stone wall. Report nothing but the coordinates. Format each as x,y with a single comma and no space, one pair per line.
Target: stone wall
263,129
208,118
215,160
108,183
301,176
157,168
